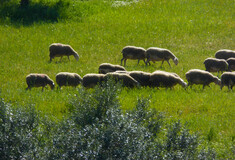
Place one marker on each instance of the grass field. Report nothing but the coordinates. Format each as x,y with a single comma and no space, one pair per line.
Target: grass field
192,30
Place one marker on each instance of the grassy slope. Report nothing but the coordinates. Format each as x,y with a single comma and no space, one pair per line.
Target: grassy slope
192,30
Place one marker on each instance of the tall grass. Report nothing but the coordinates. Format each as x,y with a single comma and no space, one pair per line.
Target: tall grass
98,30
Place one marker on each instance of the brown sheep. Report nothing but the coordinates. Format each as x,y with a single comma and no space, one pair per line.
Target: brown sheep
126,79
231,64
160,54
225,54
92,79
215,65
132,52
60,50
107,67
38,80
68,79
197,76
228,79
141,77
165,79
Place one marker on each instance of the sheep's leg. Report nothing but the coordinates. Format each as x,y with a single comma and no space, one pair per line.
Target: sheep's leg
121,60
61,58
125,62
147,61
68,58
162,63
138,62
144,61
168,63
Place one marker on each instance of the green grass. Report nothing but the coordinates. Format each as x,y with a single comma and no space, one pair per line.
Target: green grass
192,30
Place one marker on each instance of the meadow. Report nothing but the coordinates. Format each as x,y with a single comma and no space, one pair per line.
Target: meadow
98,30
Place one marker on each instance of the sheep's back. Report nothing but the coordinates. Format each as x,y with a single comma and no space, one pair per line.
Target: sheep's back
225,54
132,52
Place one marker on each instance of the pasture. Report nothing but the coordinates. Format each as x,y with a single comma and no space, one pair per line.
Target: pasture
98,30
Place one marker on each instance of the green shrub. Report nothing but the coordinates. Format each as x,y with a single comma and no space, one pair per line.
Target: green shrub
96,128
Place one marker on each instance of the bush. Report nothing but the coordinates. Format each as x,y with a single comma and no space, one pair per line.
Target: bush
96,128
18,132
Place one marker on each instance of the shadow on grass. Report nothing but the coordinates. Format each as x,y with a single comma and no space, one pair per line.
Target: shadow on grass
35,12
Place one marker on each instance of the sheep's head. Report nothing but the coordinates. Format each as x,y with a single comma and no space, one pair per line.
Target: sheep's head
175,60
217,81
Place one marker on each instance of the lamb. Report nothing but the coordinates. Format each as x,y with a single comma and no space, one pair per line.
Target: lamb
231,64
228,79
197,76
92,79
160,54
133,52
38,80
60,50
141,77
126,79
107,67
68,79
215,65
165,79
225,54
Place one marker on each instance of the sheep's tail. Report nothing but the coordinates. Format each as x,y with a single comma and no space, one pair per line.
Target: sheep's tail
76,56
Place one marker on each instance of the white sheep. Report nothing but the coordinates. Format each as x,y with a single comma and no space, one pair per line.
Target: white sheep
124,78
38,80
60,50
68,79
231,64
133,52
92,79
141,77
165,79
107,67
160,54
228,79
215,65
225,54
197,76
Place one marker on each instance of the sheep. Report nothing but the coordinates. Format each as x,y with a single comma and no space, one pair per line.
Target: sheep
133,52
165,79
92,79
126,79
141,77
107,67
68,79
215,65
231,64
225,54
60,50
197,76
160,54
227,79
38,80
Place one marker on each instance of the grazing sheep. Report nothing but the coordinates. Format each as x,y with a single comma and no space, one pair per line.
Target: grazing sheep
141,77
38,80
107,67
126,79
160,54
215,65
60,50
91,80
231,64
197,76
68,79
132,52
228,79
165,79
225,54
